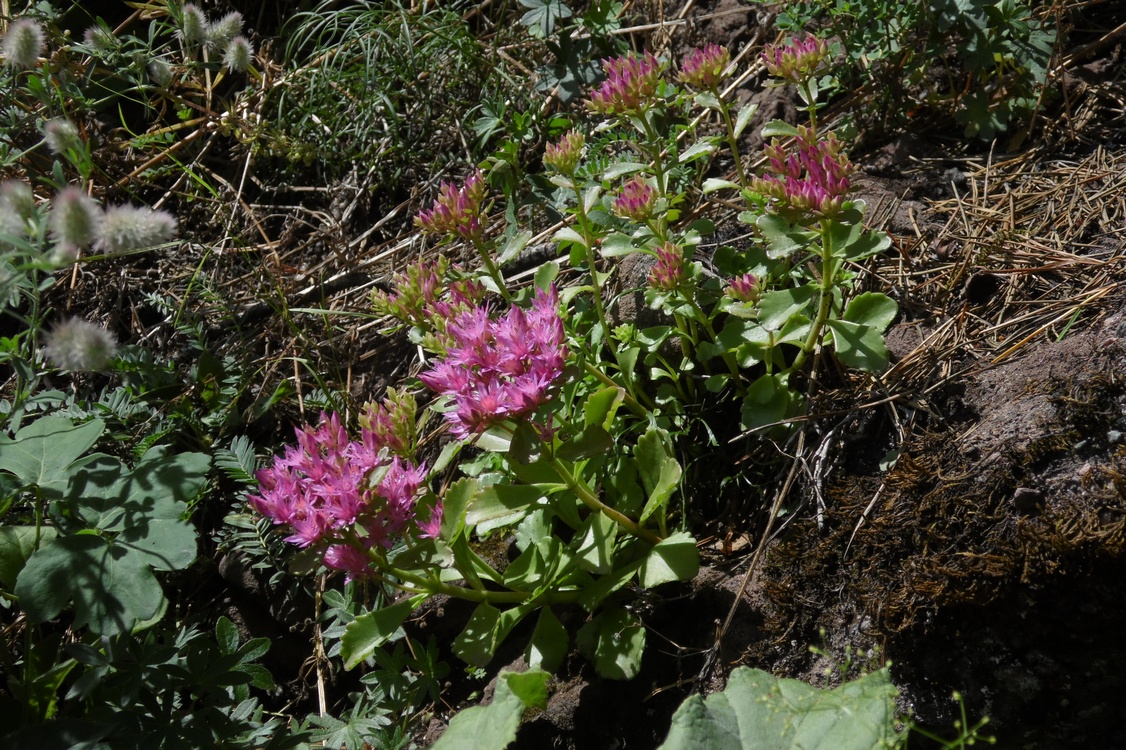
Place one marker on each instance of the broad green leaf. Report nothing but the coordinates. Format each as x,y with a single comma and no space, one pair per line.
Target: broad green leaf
779,129
616,244
526,446
495,725
501,501
707,100
601,406
782,238
568,234
614,171
514,246
163,543
593,440
41,452
111,589
17,543
867,244
697,150
593,595
614,641
476,642
776,308
454,504
859,346
546,274
671,559
549,643
743,119
596,544
872,309
768,400
758,711
368,632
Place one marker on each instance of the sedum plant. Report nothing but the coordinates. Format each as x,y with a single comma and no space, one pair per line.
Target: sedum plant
576,421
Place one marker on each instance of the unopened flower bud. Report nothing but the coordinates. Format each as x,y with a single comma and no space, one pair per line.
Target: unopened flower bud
797,60
457,211
630,86
75,217
744,288
636,200
563,156
23,43
703,67
668,273
79,345
17,199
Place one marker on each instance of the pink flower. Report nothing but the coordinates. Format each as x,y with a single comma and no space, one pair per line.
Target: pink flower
636,200
457,211
703,67
797,60
499,369
813,178
630,85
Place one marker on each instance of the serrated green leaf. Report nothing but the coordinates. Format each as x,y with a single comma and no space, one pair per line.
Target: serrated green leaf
763,712
672,559
782,238
768,400
593,440
871,309
369,631
614,641
454,503
546,274
526,446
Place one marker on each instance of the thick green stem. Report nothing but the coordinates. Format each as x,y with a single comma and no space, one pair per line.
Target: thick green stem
732,142
824,304
492,269
577,486
596,284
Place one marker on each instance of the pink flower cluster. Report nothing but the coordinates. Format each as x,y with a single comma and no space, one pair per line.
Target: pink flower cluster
668,273
811,179
630,85
797,60
343,494
703,67
636,200
457,211
499,369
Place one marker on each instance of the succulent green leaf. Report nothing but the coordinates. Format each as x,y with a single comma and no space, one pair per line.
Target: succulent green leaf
568,234
17,543
596,544
495,725
501,501
781,237
515,245
672,559
549,643
601,406
743,119
769,400
616,244
779,129
614,171
454,504
593,440
776,308
872,309
859,346
614,641
763,712
713,184
697,150
369,631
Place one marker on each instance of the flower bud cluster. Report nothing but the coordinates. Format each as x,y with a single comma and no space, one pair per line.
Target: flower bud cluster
457,211
427,300
745,288
222,39
636,200
500,369
703,67
564,156
344,496
392,422
630,86
797,60
668,273
812,178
